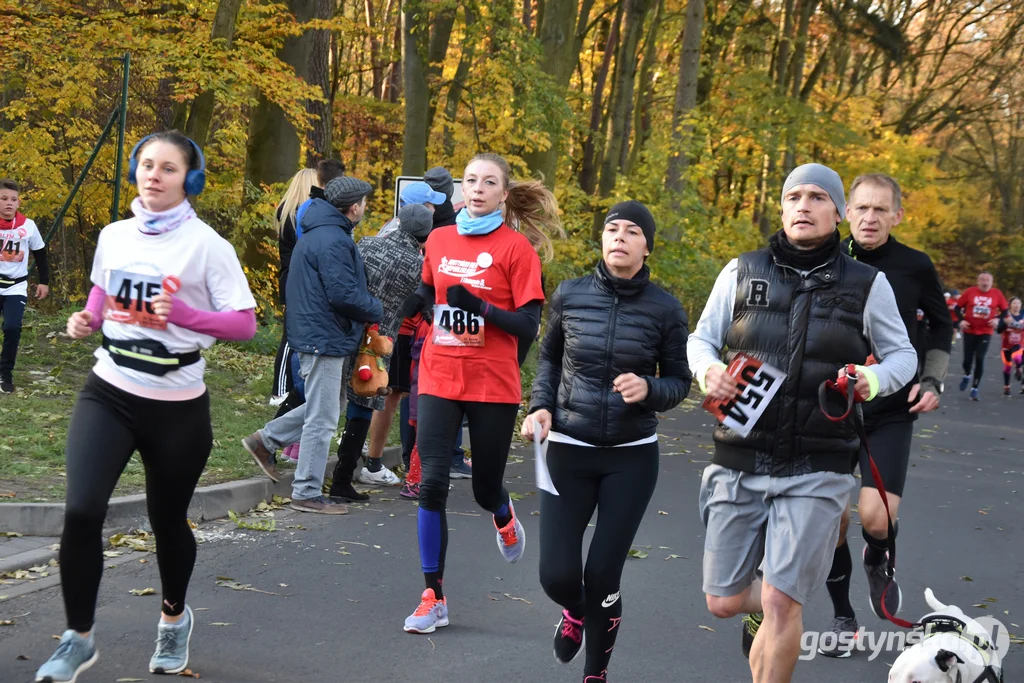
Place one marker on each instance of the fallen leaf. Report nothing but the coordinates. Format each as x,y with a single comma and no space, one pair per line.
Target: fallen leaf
10,534
676,557
512,597
638,554
23,658
143,591
706,628
234,585
221,623
6,622
112,553
662,512
966,578
187,673
129,680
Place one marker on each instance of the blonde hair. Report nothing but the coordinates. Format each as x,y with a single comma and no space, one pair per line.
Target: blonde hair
297,193
530,208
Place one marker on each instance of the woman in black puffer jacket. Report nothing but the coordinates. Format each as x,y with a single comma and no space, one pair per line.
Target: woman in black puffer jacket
614,356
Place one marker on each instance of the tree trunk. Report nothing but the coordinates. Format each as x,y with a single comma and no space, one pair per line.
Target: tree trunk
272,150
318,141
717,39
451,108
437,50
201,114
642,113
686,100
635,12
796,78
376,66
417,95
588,170
557,35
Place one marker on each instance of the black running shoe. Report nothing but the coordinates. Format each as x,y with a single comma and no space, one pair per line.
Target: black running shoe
6,384
880,584
568,638
750,624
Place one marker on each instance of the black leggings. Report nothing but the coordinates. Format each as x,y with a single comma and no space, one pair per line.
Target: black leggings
975,348
619,483
490,432
174,440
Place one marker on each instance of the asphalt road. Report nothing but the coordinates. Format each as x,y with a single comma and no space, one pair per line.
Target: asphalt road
341,587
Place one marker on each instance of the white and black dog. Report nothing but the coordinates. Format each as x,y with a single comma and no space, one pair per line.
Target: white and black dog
949,647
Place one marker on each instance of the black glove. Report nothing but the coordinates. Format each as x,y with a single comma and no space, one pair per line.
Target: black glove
412,305
460,297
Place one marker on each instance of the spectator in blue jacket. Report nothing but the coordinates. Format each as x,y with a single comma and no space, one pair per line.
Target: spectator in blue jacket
329,304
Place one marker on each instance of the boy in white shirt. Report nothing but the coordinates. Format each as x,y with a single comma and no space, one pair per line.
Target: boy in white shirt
18,236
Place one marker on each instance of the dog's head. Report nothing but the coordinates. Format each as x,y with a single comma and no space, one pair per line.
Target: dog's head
919,665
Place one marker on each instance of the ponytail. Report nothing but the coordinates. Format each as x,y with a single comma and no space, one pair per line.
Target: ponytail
530,208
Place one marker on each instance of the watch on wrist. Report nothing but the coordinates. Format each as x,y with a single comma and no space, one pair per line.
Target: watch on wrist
934,382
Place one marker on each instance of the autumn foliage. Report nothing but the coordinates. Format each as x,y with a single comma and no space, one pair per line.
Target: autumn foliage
697,107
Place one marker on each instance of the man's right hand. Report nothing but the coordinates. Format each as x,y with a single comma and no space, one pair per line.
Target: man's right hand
80,325
720,384
539,420
964,325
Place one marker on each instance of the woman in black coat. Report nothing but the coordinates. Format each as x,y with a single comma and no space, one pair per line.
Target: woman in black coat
614,356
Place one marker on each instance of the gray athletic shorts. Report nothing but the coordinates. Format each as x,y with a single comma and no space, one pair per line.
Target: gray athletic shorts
787,526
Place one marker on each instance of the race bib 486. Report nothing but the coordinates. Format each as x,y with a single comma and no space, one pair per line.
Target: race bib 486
456,327
129,299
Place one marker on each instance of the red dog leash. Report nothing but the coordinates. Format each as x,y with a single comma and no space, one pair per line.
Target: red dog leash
846,387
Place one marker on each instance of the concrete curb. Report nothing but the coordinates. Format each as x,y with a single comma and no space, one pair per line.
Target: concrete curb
29,558
208,503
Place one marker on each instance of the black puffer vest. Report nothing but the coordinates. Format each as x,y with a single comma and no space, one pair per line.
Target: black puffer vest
808,325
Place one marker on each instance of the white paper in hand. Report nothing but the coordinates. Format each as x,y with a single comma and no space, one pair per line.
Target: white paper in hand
540,450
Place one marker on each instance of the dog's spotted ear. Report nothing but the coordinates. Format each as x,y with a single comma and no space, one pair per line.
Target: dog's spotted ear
946,659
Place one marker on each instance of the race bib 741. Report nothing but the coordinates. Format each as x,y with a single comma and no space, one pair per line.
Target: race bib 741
11,251
129,299
456,327
758,383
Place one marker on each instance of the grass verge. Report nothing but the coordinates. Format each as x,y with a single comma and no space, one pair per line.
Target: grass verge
51,370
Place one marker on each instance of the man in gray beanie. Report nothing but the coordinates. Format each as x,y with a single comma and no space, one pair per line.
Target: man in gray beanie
328,306
781,477
394,265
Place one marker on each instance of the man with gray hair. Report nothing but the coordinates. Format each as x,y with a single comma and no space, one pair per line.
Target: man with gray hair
773,497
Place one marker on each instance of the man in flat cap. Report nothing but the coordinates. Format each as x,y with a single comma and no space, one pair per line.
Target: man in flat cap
327,284
772,500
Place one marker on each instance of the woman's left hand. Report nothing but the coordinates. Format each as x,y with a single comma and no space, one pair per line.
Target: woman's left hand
162,304
633,389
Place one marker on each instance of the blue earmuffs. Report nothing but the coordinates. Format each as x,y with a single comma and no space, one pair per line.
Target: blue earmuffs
195,179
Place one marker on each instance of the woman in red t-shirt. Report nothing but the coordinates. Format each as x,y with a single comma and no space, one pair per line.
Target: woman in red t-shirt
482,281
1012,329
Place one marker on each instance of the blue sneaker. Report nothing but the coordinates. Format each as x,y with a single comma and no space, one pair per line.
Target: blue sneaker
461,470
974,393
171,656
511,538
431,615
964,382
74,655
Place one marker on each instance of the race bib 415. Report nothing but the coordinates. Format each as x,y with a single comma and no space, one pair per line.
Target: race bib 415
129,299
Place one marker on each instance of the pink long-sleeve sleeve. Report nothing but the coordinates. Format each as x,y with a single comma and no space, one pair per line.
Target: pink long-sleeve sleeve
95,306
224,325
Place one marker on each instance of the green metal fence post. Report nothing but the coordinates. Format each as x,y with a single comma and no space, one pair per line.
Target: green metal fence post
123,111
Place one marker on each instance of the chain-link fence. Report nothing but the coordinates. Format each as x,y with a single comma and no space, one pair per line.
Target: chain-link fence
62,141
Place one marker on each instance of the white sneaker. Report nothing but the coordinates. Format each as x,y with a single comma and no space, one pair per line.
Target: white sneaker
383,477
